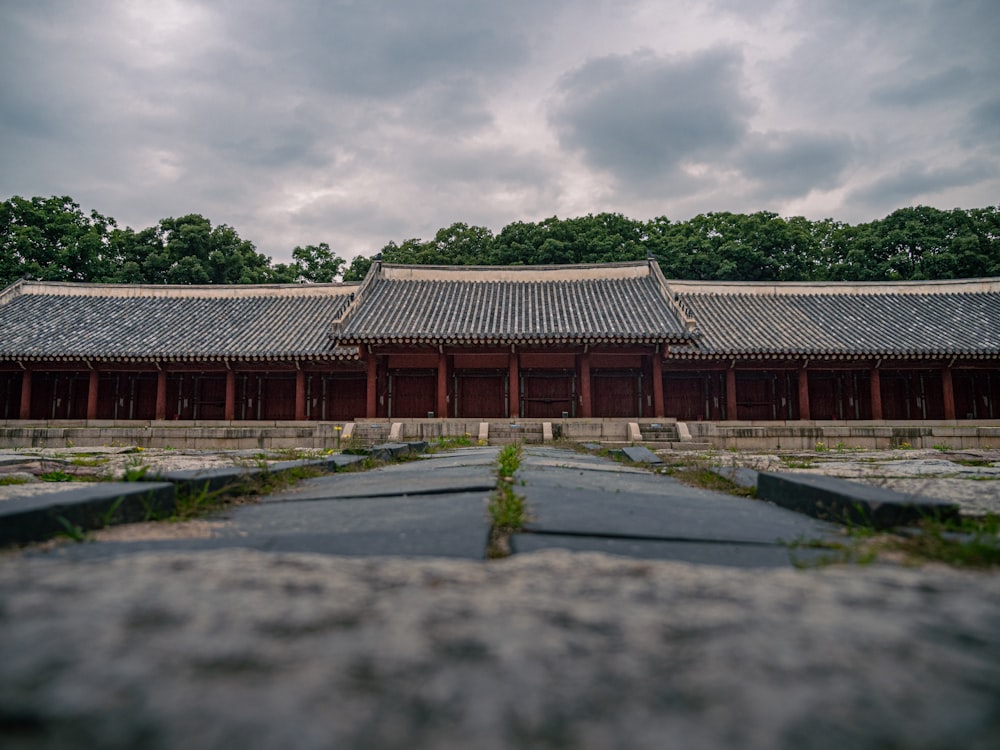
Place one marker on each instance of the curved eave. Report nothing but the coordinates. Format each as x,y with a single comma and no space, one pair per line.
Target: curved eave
465,340
832,355
184,357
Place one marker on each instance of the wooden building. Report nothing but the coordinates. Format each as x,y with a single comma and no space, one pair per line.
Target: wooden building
611,340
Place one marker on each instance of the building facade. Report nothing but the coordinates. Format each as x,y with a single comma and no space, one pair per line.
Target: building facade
597,341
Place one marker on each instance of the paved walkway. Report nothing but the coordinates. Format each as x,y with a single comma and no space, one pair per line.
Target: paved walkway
436,506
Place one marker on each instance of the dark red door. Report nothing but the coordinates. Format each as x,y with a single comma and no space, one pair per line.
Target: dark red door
481,394
341,398
616,393
412,393
547,394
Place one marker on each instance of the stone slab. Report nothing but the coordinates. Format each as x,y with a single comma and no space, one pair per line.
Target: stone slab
416,480
844,501
729,554
658,506
230,479
391,450
40,517
641,455
738,475
448,525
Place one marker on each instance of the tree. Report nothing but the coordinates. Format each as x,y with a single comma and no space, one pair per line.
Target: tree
358,268
316,263
54,240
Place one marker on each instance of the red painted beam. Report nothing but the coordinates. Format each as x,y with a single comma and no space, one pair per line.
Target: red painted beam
659,410
442,386
230,408
875,382
161,395
948,389
586,400
25,395
514,386
731,410
371,395
804,394
300,395
92,387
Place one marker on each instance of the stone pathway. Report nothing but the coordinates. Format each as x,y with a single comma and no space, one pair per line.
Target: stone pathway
436,506
232,636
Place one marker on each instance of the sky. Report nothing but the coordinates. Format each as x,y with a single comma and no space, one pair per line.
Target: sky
359,122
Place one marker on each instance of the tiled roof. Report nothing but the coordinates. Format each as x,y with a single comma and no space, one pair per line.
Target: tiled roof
622,303
960,318
40,320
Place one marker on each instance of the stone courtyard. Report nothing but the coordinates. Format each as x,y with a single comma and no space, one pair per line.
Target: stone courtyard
257,628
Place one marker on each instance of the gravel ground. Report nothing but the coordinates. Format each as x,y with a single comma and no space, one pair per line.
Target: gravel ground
970,478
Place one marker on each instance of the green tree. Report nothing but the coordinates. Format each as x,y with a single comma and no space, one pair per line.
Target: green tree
358,268
316,263
54,240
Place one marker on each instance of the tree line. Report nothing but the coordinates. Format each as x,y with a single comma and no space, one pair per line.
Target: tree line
53,239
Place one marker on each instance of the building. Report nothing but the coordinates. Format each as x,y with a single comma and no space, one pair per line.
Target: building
610,340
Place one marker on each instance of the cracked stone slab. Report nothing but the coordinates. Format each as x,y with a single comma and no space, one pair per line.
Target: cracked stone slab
650,505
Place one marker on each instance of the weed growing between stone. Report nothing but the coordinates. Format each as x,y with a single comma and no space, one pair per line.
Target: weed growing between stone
507,509
967,543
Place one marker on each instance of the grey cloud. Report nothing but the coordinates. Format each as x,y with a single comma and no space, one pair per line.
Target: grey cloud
639,116
787,165
983,123
946,84
914,182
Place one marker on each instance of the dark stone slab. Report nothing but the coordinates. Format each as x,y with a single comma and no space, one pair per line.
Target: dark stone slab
641,455
39,517
341,460
389,451
652,505
738,475
226,480
729,554
449,525
592,446
835,499
416,481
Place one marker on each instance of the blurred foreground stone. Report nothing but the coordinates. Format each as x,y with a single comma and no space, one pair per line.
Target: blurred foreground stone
246,649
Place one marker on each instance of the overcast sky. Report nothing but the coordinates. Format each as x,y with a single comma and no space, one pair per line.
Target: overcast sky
356,122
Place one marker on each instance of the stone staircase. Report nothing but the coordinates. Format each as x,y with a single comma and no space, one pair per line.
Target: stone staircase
367,434
515,432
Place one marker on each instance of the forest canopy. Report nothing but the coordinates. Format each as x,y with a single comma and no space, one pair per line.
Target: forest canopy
54,239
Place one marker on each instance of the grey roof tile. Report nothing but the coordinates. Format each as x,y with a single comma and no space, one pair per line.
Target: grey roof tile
943,320
548,304
94,321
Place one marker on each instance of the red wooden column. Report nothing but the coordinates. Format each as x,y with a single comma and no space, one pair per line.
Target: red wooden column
804,393
731,394
230,412
514,386
25,395
300,395
948,388
586,400
442,386
659,409
875,383
92,386
161,395
371,394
